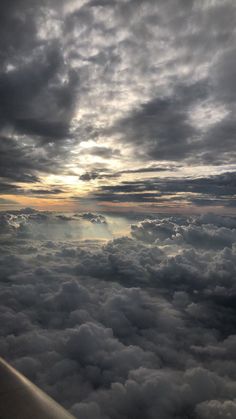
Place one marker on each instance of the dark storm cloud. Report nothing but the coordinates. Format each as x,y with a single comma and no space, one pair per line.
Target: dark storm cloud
32,106
38,90
34,97
20,163
137,327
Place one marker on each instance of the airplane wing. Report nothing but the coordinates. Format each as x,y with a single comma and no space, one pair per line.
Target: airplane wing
20,399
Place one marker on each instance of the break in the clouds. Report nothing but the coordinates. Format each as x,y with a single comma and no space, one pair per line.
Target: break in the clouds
139,326
95,93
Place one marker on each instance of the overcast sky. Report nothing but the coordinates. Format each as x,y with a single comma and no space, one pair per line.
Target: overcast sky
118,105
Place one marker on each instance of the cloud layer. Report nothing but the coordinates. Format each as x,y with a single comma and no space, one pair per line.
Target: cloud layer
140,326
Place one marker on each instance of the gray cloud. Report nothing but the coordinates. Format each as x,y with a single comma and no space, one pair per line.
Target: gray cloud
38,91
103,152
158,77
22,163
8,188
138,326
34,98
39,192
212,190
104,173
160,129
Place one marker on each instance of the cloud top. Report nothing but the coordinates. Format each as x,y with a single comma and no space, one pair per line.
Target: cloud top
137,326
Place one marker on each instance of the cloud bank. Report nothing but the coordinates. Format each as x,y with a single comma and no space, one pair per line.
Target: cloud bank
139,326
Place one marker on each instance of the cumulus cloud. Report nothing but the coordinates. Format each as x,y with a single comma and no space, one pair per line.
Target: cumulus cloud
193,234
93,218
136,326
25,224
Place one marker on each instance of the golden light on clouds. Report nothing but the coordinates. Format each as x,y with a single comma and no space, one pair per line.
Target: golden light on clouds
104,98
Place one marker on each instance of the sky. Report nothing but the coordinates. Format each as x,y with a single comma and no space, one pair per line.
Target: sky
117,205
118,106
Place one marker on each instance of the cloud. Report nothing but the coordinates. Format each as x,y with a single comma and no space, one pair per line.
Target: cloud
103,152
25,223
94,218
132,77
203,235
100,173
217,409
39,192
27,85
38,91
211,190
170,124
161,128
19,163
137,326
89,176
